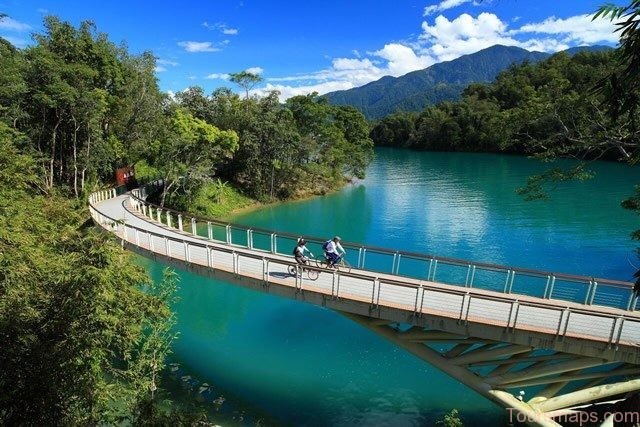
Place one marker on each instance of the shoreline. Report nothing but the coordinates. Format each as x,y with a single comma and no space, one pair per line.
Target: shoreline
236,212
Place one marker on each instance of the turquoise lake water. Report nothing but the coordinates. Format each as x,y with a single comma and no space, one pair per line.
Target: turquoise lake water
289,363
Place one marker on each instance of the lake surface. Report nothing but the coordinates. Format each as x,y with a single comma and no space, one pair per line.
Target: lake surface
289,363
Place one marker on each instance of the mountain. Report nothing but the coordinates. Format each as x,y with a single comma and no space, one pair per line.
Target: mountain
444,81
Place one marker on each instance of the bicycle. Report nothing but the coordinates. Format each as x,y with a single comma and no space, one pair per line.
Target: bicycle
311,274
342,265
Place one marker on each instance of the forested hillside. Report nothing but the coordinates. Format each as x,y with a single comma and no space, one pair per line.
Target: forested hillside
84,330
444,81
549,107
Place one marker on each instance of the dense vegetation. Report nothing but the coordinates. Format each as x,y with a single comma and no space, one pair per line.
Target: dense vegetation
550,108
84,330
87,106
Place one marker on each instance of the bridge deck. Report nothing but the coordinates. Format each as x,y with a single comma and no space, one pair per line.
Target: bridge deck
610,327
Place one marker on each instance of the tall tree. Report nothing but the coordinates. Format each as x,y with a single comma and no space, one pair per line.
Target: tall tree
188,155
246,80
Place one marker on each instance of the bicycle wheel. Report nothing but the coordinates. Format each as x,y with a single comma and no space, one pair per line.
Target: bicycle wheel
313,274
321,262
292,270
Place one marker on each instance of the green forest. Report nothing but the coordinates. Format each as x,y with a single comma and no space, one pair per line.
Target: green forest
548,108
85,333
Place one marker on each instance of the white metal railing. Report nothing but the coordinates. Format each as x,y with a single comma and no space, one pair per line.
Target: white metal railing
493,277
613,327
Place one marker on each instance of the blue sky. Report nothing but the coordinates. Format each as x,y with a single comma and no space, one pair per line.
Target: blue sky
300,46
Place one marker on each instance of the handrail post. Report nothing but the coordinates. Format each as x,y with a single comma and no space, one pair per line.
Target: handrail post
373,290
433,274
593,292
209,230
466,280
159,215
393,264
180,222
398,263
194,227
506,282
228,230
359,255
168,219
144,210
473,275
588,295
249,238
551,286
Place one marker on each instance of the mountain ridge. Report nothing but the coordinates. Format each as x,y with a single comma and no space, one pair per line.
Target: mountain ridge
443,81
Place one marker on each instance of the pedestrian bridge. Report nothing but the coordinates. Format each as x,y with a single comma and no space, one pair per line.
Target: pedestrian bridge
540,344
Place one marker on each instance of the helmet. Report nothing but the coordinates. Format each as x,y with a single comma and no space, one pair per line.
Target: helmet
337,238
301,241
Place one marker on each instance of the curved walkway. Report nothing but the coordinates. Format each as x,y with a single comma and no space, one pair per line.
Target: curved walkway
606,331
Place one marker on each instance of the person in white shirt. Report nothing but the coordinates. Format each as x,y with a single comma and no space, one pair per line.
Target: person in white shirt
333,250
299,250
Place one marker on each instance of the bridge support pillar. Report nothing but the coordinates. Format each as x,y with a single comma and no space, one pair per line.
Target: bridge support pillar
518,367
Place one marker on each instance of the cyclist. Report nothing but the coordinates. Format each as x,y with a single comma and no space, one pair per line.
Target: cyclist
299,250
333,251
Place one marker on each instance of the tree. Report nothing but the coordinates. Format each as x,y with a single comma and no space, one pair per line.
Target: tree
84,330
245,80
189,154
622,86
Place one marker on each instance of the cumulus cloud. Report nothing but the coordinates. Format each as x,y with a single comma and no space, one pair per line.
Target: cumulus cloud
443,5
402,59
446,40
9,24
192,47
580,29
443,40
345,73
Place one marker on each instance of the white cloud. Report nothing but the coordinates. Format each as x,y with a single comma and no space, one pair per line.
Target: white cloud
222,27
255,70
580,29
9,24
287,92
167,62
221,76
160,69
443,5
402,59
191,46
345,73
444,40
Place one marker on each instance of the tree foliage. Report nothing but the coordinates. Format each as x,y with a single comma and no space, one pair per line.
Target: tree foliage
84,330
